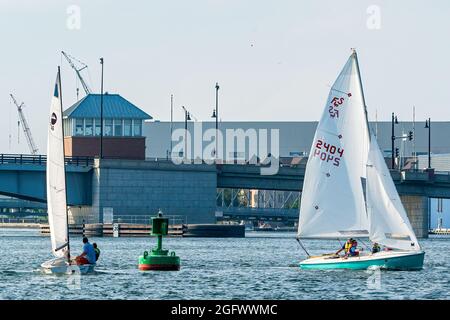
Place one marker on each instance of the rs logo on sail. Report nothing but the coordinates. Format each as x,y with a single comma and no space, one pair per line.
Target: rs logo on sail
53,120
328,152
335,103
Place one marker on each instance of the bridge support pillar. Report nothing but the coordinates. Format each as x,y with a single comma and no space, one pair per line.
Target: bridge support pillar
417,210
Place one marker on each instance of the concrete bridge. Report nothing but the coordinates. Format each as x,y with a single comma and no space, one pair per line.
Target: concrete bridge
410,182
130,187
23,177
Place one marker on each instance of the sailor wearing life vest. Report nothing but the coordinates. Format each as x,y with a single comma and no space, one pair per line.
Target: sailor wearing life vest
349,248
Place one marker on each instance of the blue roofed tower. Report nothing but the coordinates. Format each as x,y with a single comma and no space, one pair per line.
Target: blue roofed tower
122,128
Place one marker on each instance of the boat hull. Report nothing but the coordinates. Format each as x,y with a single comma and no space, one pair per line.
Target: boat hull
390,260
60,266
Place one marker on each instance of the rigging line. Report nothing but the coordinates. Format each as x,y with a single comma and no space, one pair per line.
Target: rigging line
301,245
367,247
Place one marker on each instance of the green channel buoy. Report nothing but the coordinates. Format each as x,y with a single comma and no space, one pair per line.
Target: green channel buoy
159,259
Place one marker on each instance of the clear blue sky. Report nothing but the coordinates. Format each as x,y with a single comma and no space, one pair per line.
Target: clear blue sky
274,60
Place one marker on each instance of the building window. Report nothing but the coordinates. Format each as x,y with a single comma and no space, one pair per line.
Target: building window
117,127
127,127
67,127
108,127
88,129
98,128
137,128
79,127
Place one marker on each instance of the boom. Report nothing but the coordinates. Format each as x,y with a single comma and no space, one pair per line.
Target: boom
26,128
70,59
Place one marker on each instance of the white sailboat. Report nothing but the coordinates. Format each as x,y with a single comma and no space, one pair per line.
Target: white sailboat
56,192
348,190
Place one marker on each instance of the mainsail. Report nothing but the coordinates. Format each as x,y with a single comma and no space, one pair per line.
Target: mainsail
333,204
389,224
56,180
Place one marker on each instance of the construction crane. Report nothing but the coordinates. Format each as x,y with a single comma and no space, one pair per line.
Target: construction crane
26,128
71,60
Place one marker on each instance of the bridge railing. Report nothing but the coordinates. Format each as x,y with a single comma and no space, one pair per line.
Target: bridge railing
128,218
33,220
42,159
147,219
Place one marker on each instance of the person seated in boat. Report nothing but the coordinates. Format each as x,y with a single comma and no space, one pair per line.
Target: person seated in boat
353,251
345,247
88,255
376,248
97,251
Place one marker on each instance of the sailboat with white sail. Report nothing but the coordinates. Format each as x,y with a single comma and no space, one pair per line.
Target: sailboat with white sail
56,192
348,191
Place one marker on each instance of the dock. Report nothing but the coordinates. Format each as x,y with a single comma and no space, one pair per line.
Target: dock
441,232
19,225
144,230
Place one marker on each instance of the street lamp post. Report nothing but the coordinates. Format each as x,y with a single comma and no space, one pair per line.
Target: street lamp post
187,117
428,126
101,113
394,122
216,115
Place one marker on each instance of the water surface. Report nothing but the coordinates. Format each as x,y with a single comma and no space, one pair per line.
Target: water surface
261,266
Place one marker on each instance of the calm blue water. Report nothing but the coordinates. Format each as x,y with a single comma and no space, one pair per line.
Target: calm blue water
261,266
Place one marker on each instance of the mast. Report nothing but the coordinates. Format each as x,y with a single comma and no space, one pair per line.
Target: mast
362,90
64,163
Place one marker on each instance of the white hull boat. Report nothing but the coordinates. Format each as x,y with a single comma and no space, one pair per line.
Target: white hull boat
61,266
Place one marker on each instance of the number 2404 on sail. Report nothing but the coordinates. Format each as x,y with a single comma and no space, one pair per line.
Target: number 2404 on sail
327,152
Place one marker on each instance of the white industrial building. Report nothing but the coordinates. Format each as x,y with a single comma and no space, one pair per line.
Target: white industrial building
295,138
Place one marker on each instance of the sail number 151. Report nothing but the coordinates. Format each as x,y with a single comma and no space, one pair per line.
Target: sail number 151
328,152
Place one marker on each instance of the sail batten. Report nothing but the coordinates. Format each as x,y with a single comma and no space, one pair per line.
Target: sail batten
55,177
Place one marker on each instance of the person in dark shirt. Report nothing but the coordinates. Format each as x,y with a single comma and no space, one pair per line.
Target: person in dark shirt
97,251
376,248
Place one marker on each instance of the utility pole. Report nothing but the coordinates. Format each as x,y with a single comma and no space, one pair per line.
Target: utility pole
101,113
217,119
